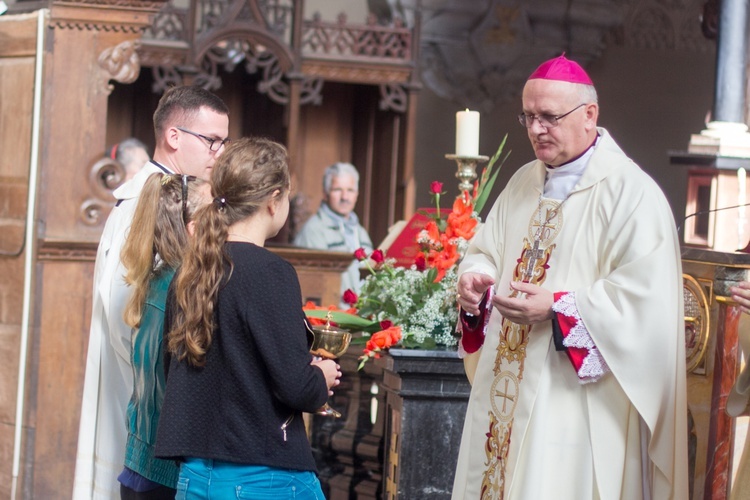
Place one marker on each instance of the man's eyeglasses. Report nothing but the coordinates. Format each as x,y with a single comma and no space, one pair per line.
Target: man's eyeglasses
213,144
546,121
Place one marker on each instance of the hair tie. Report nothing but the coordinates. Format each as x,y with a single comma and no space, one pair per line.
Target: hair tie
220,202
113,152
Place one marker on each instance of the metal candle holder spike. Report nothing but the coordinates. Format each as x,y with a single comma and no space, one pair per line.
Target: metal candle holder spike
467,170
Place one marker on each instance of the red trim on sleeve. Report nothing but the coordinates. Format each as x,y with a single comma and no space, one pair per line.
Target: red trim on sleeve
575,354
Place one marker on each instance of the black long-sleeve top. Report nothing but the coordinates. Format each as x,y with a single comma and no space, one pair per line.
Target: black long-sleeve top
257,374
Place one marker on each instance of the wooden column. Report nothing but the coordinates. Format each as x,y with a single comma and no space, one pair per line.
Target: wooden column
17,61
88,44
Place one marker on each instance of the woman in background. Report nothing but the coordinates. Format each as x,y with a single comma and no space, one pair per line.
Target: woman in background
152,252
241,373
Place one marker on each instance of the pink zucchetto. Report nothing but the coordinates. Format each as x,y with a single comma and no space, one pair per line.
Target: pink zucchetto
561,69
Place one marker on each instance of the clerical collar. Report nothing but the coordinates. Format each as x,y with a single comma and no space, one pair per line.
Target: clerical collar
561,180
162,167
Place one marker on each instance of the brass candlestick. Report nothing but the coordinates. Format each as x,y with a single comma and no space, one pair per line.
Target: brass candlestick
466,172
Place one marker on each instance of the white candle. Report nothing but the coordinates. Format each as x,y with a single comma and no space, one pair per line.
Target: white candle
467,133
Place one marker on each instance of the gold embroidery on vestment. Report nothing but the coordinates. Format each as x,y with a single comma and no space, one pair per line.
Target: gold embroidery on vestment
531,267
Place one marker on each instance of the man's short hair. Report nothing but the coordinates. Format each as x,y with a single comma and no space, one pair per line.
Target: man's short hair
183,103
336,170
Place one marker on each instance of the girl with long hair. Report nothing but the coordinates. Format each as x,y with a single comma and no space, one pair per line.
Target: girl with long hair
152,251
240,373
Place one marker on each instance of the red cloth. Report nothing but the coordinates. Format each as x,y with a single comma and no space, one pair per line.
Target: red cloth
561,69
575,354
474,328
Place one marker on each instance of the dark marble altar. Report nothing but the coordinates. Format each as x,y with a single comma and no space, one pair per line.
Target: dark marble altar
426,397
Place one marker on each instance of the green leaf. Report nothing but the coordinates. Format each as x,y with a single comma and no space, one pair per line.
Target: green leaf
431,275
488,177
345,320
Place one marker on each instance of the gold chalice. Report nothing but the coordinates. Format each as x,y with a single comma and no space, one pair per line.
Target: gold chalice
329,342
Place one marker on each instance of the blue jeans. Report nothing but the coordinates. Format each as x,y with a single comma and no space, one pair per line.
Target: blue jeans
215,480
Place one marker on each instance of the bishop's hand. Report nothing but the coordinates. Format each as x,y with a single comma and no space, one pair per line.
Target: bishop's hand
528,305
741,295
471,288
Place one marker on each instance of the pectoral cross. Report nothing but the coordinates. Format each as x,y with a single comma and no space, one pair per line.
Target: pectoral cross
534,254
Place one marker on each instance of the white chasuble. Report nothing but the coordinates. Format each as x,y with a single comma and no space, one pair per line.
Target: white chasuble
532,429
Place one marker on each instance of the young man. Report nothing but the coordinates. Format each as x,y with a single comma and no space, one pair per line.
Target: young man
191,127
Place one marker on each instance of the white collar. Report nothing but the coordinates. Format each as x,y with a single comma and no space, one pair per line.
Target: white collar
561,180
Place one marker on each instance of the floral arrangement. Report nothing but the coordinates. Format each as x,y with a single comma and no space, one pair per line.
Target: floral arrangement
415,307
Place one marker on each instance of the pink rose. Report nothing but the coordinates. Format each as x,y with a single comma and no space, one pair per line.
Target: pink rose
436,187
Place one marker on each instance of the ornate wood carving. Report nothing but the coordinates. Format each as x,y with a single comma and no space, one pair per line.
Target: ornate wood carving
130,4
165,77
312,90
257,34
393,98
105,175
114,16
354,74
170,23
344,41
121,63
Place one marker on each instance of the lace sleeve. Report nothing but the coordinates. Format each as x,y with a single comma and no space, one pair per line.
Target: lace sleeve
582,352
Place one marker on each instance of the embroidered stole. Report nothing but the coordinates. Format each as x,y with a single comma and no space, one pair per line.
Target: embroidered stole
545,224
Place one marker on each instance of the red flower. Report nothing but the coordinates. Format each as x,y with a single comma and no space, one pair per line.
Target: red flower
432,231
385,324
382,340
460,222
377,256
350,297
420,262
360,254
436,187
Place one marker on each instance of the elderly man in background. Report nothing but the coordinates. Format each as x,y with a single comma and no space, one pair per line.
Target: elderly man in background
335,226
577,359
132,155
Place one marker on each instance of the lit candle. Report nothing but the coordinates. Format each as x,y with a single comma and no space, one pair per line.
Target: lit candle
467,133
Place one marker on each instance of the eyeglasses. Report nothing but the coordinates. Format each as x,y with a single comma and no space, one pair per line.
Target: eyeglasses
213,144
185,214
546,121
